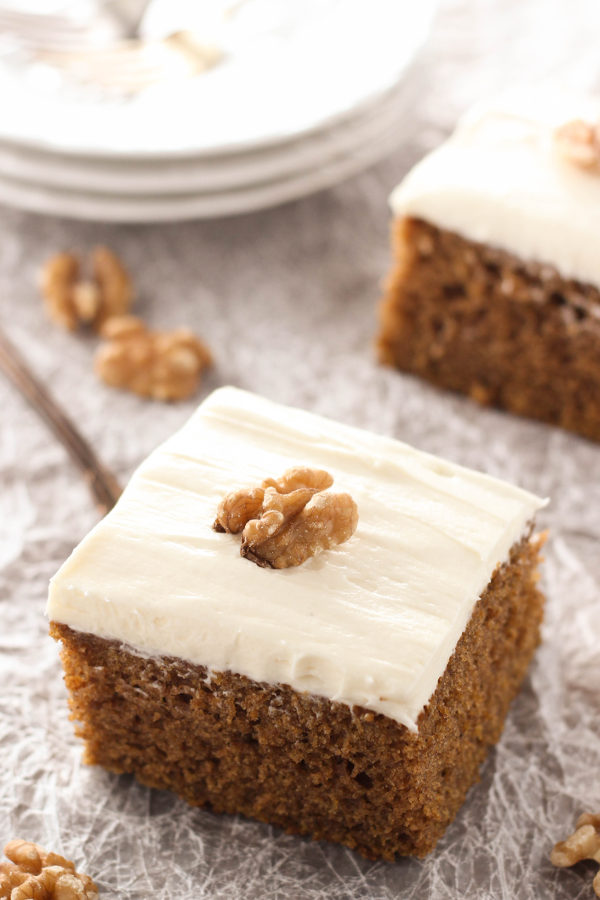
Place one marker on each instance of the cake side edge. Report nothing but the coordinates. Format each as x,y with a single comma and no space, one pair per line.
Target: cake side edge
508,333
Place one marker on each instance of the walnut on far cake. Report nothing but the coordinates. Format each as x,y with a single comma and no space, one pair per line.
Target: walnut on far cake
495,289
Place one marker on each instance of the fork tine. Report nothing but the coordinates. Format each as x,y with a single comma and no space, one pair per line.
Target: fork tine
34,31
19,17
124,69
34,45
31,23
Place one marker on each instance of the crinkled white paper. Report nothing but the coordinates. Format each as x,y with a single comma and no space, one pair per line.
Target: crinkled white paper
286,299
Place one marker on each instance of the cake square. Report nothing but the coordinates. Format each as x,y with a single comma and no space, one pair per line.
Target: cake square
351,697
495,285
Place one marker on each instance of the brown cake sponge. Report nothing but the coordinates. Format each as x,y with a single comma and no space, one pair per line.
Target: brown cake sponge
310,765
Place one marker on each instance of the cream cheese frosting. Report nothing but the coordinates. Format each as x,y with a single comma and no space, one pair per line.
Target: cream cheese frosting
500,180
372,622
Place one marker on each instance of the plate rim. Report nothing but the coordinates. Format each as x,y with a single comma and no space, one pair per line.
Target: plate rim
251,199
251,168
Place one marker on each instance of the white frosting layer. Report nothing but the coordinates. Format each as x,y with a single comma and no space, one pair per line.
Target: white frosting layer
500,180
372,622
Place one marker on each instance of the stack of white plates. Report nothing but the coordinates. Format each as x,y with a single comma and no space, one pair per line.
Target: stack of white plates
309,98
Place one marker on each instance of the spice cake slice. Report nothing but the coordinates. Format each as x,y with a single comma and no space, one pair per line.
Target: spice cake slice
306,623
495,288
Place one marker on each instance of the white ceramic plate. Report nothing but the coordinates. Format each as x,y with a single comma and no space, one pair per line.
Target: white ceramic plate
155,208
205,174
303,66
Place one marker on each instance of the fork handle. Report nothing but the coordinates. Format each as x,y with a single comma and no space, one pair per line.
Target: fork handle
129,14
102,483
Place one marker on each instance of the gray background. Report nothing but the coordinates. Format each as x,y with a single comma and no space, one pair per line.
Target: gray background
287,298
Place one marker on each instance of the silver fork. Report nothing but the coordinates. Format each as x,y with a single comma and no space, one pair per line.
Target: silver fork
33,32
131,65
83,53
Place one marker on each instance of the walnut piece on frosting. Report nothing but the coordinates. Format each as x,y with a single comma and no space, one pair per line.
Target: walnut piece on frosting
156,364
579,143
584,843
238,507
35,874
72,300
287,520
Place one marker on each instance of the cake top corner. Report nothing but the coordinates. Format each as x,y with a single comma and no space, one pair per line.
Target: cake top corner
510,176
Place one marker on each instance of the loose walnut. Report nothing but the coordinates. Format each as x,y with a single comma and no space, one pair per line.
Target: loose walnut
579,143
584,843
72,300
35,874
287,520
161,365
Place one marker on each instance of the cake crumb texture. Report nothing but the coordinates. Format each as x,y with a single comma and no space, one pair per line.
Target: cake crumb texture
312,766
508,332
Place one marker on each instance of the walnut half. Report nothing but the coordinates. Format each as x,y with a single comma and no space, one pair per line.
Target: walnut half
584,843
161,365
287,520
578,142
72,300
35,874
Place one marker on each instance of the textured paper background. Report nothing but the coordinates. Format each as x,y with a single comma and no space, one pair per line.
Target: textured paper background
287,300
